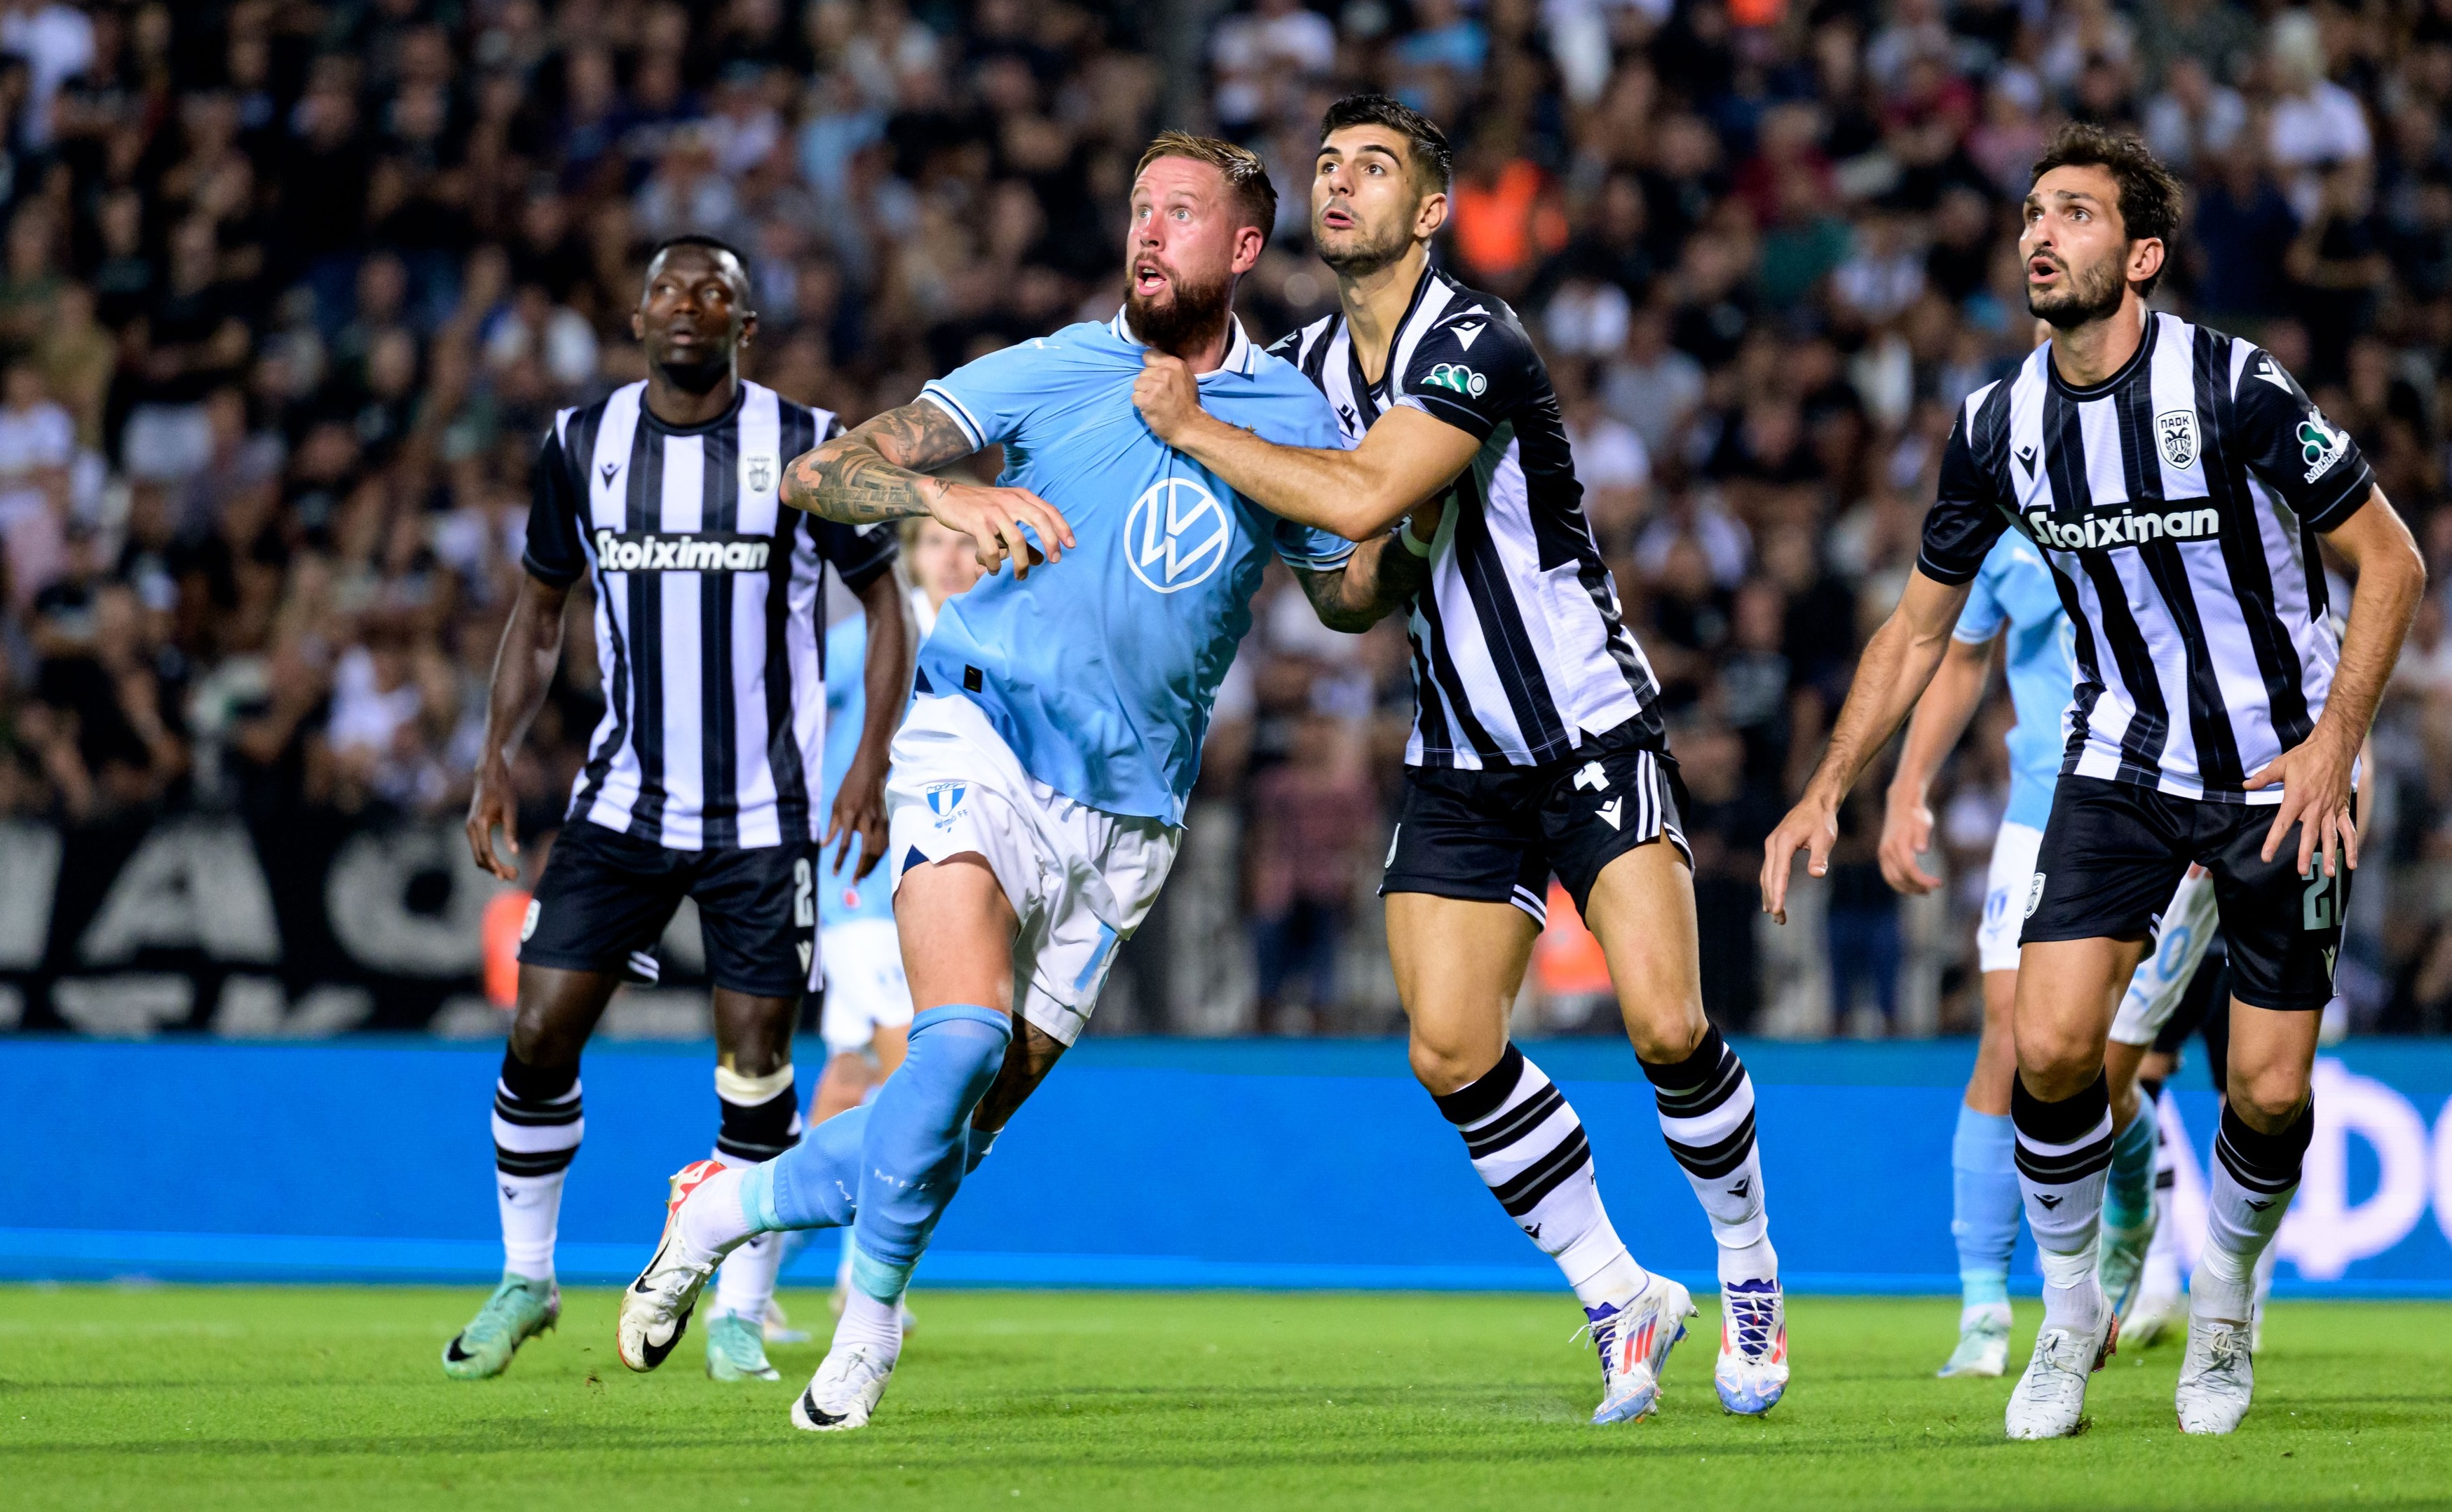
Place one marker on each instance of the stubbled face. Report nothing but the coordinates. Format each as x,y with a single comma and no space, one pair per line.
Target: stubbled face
1366,207
694,314
1184,252
2077,251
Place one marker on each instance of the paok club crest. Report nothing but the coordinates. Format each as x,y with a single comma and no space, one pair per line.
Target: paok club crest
2177,431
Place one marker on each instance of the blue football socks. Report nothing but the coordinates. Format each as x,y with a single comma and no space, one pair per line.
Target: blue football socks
1984,1206
2128,1196
916,1148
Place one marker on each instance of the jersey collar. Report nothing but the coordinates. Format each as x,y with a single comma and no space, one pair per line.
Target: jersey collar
2136,364
1241,355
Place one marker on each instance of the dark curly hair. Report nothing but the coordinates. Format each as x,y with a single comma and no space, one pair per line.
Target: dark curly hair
2150,196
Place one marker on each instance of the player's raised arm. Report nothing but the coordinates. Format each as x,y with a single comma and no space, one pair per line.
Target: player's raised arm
1897,664
2315,775
880,471
1408,457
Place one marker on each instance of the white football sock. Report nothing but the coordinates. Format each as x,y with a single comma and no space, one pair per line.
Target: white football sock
867,1320
2248,1191
532,1210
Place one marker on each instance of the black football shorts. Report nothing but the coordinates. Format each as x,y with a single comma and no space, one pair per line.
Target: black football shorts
605,898
1495,835
2113,852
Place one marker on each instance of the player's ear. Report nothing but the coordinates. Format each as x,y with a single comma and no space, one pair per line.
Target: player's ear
1430,215
749,328
2144,259
638,325
1250,241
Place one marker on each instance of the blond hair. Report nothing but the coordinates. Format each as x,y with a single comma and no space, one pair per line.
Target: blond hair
1246,178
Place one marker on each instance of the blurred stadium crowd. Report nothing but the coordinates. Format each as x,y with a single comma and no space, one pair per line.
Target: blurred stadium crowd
289,293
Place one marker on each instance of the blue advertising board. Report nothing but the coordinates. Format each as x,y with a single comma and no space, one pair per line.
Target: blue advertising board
1140,1162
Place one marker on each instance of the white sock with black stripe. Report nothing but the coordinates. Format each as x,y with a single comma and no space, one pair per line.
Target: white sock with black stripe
2063,1158
1528,1147
537,1128
1707,1115
2254,1176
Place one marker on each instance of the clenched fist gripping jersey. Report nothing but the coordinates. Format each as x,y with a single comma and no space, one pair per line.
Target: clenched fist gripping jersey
2178,503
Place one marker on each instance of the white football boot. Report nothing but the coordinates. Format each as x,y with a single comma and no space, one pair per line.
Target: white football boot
2049,1399
1983,1342
2217,1375
844,1391
656,1307
1752,1373
1634,1341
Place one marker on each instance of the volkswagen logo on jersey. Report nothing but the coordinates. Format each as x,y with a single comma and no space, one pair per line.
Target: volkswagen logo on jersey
1175,535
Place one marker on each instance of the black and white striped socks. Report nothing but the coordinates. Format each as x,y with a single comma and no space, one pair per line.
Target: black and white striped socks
2249,1187
2063,1155
1707,1115
1528,1147
537,1127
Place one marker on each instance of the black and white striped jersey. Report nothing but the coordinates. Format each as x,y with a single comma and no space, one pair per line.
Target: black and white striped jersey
2178,503
707,630
1520,652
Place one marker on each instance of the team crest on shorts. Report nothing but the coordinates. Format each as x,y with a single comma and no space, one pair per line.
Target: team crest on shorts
527,925
944,800
2034,895
761,473
2177,430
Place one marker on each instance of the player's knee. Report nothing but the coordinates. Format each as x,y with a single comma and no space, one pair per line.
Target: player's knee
2057,1062
2266,1096
1443,1068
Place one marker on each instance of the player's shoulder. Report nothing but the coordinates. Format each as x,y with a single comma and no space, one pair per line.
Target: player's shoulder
1473,319
1297,346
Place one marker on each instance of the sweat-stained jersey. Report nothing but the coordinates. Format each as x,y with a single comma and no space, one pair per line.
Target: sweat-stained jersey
706,594
1521,652
2178,503
1100,670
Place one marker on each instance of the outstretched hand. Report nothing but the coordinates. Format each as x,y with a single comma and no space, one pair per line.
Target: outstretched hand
1166,394
994,519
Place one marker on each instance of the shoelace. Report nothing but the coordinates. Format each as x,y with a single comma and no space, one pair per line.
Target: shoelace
1756,1314
1602,1332
859,1369
2223,1352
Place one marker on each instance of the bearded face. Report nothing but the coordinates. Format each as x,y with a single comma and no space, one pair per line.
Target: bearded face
1180,314
2086,292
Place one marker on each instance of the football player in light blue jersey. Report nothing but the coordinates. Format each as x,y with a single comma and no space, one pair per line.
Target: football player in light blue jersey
1038,781
2013,601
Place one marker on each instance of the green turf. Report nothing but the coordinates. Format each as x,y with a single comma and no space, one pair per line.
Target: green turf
317,1399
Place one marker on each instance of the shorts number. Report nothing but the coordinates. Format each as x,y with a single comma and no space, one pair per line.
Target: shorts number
804,894
2321,907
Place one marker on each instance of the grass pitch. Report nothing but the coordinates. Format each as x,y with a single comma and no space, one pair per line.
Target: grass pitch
331,1398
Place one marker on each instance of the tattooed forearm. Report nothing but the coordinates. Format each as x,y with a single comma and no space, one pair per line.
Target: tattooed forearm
1379,578
879,470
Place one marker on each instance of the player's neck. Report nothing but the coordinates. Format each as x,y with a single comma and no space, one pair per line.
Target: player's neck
2086,355
1375,302
684,404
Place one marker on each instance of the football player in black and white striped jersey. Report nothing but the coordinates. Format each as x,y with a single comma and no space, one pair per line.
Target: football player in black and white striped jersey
2179,482
701,779
1537,746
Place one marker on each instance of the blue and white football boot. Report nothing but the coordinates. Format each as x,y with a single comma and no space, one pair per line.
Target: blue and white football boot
1752,1371
1634,1341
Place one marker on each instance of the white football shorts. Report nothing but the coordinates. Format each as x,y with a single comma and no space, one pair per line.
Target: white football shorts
865,990
1081,879
2189,922
2005,886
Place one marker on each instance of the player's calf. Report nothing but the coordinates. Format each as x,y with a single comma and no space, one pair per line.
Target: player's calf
1707,1114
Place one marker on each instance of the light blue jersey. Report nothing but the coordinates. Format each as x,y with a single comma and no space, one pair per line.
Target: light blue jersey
840,899
2014,588
1100,670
